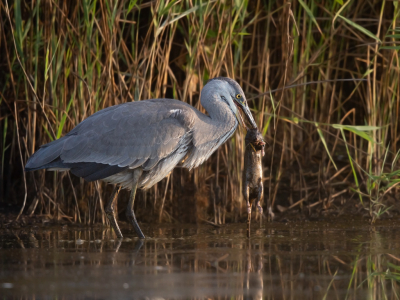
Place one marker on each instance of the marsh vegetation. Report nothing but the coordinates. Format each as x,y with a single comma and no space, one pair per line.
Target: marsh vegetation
322,79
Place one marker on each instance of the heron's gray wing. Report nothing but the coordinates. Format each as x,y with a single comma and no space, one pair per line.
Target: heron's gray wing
126,135
132,134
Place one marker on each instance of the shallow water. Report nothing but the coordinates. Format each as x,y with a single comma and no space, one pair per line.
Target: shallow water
311,260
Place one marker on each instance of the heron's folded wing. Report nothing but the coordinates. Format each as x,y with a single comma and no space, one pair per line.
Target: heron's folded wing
129,135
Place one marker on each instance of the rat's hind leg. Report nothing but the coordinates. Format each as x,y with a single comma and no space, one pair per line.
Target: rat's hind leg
259,195
248,220
246,196
248,203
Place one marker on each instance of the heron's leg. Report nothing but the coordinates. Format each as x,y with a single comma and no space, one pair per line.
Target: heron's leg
110,211
129,210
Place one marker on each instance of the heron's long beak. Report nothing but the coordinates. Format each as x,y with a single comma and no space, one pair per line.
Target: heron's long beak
247,114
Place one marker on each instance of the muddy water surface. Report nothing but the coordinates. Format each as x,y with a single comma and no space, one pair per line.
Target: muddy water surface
312,260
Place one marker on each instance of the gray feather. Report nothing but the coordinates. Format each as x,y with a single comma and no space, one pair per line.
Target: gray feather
111,136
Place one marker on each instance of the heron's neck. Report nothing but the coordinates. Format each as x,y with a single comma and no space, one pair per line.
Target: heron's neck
210,131
218,111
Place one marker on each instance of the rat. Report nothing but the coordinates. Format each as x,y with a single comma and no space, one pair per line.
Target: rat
252,173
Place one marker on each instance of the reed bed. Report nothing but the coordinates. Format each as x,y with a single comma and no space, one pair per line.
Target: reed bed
322,79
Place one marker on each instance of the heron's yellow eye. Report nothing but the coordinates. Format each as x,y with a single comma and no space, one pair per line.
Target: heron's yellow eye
238,96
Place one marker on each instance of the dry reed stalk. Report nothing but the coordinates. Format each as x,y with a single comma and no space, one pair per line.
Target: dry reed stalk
66,60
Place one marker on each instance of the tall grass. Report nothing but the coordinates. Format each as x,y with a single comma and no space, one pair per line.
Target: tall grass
330,140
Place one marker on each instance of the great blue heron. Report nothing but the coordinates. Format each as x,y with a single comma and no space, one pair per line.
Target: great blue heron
137,144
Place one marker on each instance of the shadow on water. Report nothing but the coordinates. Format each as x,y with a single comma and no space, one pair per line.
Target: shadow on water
313,260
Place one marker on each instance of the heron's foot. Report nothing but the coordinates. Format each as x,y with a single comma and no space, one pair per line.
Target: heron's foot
132,219
113,222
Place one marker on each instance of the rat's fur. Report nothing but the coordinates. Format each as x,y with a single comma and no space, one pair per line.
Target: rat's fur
252,174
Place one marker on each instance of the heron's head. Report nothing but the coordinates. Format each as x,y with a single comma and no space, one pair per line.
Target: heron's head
231,92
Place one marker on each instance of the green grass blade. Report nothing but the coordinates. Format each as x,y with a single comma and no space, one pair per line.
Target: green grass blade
325,145
390,47
352,166
5,128
360,28
311,15
395,36
48,133
358,130
64,117
189,11
131,5
330,284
